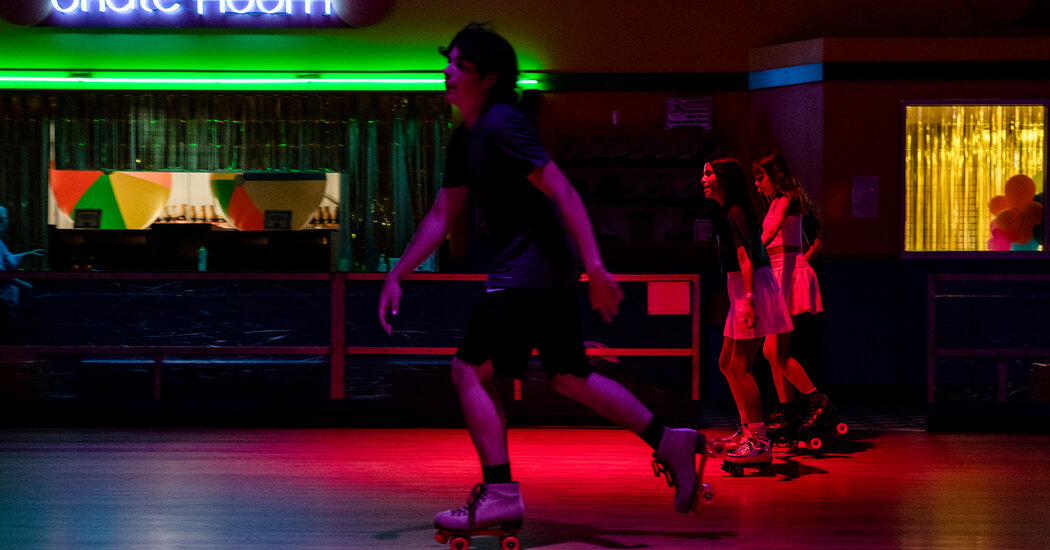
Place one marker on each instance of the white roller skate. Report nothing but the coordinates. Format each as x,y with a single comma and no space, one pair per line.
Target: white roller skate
734,441
755,452
675,458
492,509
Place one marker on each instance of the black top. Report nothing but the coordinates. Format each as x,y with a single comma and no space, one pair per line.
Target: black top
734,231
810,227
494,159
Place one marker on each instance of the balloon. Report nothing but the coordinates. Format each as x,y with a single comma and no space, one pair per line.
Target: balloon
999,240
1023,235
1008,220
363,13
25,12
998,204
1032,213
1020,189
1032,245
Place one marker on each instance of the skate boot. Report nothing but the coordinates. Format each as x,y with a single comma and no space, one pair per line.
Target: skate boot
492,509
756,452
783,424
731,443
819,419
675,458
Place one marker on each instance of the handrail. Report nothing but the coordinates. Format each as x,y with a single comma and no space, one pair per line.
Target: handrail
1002,354
338,333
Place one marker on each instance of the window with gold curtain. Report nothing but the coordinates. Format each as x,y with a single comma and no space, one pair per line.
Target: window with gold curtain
974,177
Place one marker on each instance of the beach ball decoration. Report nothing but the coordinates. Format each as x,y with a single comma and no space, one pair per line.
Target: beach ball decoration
127,200
1016,213
245,198
362,13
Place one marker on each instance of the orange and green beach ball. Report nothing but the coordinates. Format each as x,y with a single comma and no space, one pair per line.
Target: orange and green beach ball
245,198
126,200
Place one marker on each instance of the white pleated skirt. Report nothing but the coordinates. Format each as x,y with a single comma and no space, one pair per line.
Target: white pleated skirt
798,283
771,313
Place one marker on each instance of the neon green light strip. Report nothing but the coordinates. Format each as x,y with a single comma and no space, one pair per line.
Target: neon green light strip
246,81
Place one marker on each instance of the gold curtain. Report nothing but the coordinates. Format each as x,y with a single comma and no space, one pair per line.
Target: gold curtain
957,157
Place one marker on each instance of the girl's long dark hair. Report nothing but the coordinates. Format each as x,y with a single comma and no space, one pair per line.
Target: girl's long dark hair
731,178
785,183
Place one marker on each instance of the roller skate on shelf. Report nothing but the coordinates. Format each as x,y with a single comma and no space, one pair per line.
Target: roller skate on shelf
492,509
675,459
820,420
756,452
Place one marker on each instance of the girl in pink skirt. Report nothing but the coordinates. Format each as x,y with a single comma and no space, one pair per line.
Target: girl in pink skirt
782,236
756,310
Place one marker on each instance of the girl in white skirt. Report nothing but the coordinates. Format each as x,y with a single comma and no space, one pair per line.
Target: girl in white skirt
782,236
756,309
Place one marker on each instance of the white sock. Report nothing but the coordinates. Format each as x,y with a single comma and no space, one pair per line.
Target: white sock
758,428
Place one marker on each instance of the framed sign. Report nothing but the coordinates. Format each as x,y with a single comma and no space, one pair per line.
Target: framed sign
278,219
688,112
87,218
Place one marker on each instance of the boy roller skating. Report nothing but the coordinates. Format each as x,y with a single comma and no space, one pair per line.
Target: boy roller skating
541,234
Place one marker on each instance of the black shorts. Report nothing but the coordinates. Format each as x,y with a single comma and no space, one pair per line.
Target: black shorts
507,324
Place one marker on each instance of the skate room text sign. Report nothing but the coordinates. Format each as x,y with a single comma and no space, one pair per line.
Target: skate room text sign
196,13
193,13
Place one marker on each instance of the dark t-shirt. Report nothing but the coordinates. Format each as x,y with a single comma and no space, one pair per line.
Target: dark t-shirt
735,231
494,159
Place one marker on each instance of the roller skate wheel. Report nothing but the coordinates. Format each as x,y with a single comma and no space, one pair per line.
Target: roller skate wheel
716,449
815,443
707,492
841,428
509,543
460,543
441,538
736,470
765,470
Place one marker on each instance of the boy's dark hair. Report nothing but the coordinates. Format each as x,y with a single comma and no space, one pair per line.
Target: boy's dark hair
490,53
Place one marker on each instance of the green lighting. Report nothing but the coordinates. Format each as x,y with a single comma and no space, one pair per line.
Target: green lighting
418,81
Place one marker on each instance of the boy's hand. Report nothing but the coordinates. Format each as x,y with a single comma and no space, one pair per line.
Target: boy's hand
389,299
605,293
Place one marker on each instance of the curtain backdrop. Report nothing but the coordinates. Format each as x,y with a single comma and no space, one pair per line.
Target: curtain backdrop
957,158
388,146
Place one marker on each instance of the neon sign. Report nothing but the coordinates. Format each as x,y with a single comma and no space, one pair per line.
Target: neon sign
270,7
195,13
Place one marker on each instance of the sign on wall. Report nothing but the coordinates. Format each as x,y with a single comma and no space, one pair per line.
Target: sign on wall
196,13
683,112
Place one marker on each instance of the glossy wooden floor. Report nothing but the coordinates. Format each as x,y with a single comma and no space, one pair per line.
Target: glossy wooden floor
583,489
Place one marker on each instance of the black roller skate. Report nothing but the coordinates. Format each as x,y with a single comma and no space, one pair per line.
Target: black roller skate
819,421
782,425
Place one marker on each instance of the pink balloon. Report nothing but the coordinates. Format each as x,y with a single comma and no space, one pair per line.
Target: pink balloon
1000,240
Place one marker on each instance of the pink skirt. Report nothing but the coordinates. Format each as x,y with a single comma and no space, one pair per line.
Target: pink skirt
798,282
771,313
